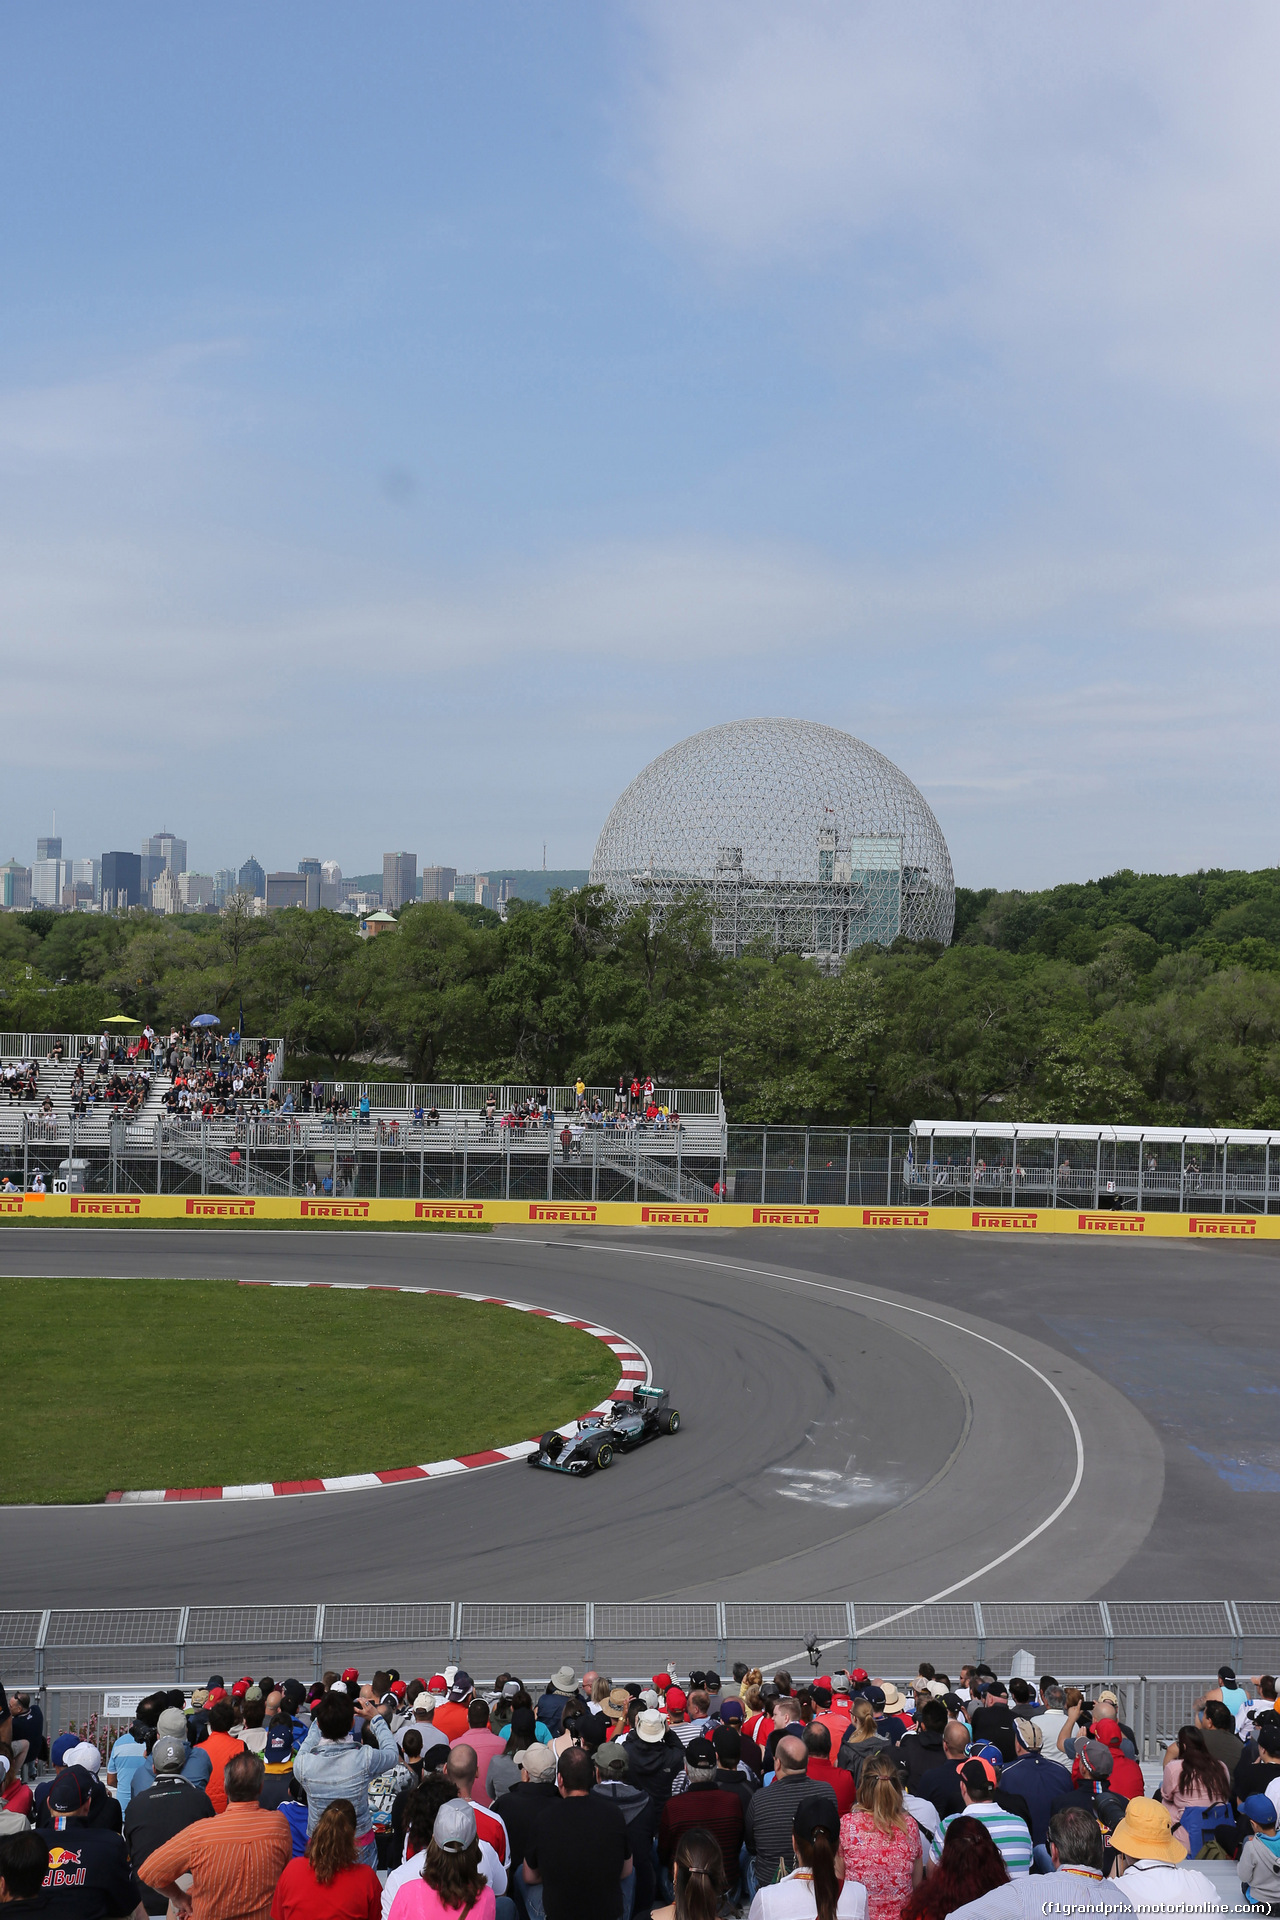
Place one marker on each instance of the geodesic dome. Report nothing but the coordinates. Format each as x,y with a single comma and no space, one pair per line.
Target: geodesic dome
792,832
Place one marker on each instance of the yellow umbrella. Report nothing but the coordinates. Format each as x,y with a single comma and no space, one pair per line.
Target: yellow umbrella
121,1020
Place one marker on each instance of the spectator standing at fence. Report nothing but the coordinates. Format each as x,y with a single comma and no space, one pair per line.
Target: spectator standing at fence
880,1842
222,1747
580,1854
329,1882
330,1766
234,1859
162,1810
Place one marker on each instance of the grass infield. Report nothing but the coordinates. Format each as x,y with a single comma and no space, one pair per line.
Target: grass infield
199,1383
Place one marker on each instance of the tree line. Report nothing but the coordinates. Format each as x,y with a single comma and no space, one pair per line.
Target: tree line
1138,997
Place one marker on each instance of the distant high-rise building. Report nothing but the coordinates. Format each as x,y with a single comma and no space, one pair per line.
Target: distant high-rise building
463,890
49,848
288,889
309,864
86,873
438,882
224,885
167,849
15,885
399,879
48,878
165,897
195,890
252,879
121,882
331,873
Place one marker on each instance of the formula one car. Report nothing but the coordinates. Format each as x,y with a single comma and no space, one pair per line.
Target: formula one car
628,1424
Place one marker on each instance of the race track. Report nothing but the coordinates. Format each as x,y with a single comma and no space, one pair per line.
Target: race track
865,1415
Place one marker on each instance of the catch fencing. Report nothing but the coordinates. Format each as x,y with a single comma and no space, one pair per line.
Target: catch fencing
1159,1656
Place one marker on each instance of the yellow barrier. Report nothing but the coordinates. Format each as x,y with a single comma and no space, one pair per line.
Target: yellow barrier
107,1209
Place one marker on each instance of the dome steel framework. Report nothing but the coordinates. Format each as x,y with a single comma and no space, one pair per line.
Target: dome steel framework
792,832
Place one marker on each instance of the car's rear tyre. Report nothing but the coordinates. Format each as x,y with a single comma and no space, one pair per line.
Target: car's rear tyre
669,1421
603,1455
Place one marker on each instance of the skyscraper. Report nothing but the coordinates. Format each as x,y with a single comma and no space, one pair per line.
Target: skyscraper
49,848
121,881
168,850
15,885
399,879
252,879
437,882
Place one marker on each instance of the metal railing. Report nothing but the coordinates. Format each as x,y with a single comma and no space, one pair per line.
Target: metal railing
397,1096
1160,1657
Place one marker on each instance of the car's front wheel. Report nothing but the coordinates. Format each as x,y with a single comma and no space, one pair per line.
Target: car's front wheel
603,1455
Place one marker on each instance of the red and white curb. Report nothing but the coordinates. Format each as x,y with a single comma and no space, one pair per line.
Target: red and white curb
633,1363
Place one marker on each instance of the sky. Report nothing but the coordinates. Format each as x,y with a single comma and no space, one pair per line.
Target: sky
414,418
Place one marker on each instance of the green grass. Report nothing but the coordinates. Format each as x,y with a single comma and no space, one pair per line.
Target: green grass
186,1383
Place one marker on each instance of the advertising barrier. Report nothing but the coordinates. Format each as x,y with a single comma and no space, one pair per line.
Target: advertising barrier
215,1209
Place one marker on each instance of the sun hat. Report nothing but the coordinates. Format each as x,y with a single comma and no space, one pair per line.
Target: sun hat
611,1759
1258,1808
615,1707
892,1698
564,1680
1146,1833
168,1754
816,1814
455,1827
85,1755
199,1695
538,1761
651,1727
1031,1736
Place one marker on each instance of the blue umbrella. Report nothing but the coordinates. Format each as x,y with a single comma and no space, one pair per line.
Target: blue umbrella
206,1020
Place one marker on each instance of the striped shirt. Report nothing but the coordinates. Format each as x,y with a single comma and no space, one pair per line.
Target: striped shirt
1010,1834
234,1861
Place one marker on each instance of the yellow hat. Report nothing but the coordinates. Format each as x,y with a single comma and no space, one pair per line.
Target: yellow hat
1146,1833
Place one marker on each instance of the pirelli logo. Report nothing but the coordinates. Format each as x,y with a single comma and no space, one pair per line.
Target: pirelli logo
675,1216
1222,1223
335,1209
1006,1222
219,1209
895,1216
118,1205
11,1204
567,1212
785,1217
1112,1223
448,1210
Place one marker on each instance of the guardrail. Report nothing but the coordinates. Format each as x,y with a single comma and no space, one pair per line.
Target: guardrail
397,1096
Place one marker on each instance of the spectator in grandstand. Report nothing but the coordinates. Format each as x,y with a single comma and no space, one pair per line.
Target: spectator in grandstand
880,1842
483,1743
161,1810
814,1888
1256,1776
1193,1778
970,1865
434,1793
580,1853
124,1759
704,1803
1151,1871
992,1721
1010,1833
100,1812
221,1746
863,1737
637,1809
460,1769
921,1750
27,1737
330,1767
654,1756
451,1880
1260,1855
234,1859
941,1784
1035,1777
451,1717
1073,1882
1126,1775
1053,1714
329,1882
772,1810
817,1740
87,1873
196,1768
520,1807
1220,1737
788,1720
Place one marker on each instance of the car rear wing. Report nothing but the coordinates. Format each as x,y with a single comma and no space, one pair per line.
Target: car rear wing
649,1393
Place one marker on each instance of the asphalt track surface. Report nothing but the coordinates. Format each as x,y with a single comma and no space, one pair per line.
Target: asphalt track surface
879,1416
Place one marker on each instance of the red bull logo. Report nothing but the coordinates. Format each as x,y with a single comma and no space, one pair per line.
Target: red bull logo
66,1869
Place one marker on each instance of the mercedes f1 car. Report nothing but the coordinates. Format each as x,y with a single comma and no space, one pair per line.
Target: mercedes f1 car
628,1424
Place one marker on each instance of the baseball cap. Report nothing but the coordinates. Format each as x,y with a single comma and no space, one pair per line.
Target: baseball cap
240,1690
538,1761
216,1680
816,1814
677,1700
399,1689
875,1695
859,1674
1259,1809
1096,1759
700,1753
455,1827
350,1673
661,1680
168,1754
461,1685
611,1759
278,1751
824,1680
172,1720
213,1696
731,1710
973,1772
199,1695
85,1756
1031,1736
438,1684
68,1794
651,1727
339,1686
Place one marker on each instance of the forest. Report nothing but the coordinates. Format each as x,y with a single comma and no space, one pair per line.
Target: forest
1138,997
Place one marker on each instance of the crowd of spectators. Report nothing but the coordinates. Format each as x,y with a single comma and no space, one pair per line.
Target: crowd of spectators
844,1798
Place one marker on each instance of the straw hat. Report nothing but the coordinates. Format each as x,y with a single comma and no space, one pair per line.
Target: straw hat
1145,1833
892,1698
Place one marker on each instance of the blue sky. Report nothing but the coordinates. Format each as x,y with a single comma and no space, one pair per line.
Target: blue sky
415,417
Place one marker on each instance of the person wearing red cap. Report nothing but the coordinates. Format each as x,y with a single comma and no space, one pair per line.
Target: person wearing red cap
676,1707
351,1675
